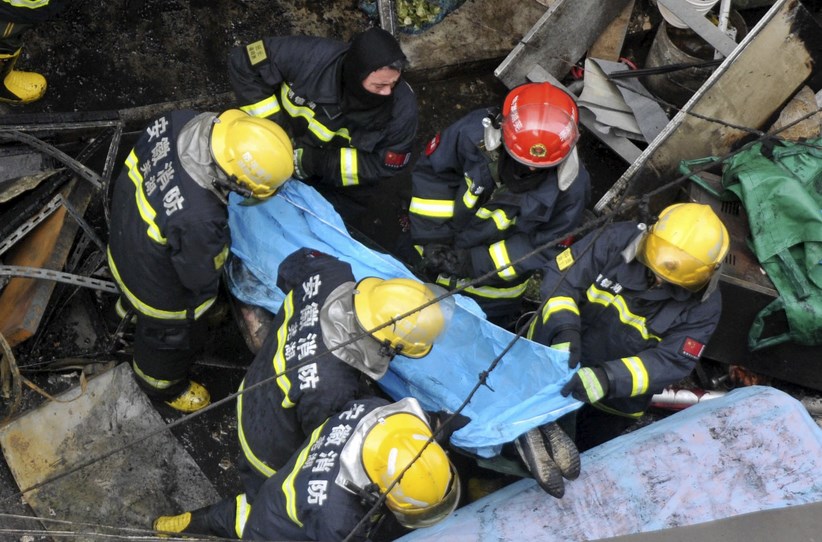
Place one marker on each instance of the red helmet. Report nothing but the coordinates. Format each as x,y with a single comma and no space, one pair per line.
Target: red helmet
539,124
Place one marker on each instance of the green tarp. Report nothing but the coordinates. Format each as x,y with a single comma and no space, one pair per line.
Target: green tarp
780,185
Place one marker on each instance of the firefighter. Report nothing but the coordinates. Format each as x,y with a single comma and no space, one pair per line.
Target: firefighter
17,16
635,306
350,114
335,478
323,350
494,186
169,232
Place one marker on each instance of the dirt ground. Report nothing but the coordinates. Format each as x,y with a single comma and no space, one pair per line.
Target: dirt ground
114,55
155,54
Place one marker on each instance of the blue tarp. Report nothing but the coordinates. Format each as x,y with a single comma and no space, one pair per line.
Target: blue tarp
521,393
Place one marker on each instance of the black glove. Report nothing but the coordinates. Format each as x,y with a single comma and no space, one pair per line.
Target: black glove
445,424
589,384
308,162
550,456
568,339
438,258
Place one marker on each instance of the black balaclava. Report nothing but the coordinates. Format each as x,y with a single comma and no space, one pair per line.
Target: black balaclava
369,51
519,177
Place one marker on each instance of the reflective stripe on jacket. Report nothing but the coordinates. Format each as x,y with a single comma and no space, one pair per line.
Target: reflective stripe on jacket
295,81
303,501
169,236
456,200
646,338
30,11
275,418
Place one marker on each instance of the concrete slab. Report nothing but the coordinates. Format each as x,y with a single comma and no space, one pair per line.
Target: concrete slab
150,476
477,31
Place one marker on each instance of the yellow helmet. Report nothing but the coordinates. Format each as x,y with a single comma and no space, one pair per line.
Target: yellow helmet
686,245
257,152
430,489
377,301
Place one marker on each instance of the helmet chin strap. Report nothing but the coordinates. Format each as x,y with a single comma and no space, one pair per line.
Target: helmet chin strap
232,185
492,134
389,351
369,494
713,283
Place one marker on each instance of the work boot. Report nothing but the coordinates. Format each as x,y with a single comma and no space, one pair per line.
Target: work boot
19,87
192,399
534,452
562,450
187,522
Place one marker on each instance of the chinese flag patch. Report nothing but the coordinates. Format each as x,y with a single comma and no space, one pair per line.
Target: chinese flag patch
432,145
692,348
397,159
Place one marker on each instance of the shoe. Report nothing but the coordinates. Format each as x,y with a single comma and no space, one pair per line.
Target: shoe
172,524
534,452
562,450
188,522
193,399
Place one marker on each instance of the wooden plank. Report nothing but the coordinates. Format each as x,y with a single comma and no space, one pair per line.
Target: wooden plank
23,301
609,44
756,80
548,44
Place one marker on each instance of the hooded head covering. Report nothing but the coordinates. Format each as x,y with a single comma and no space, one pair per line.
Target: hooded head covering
369,51
519,177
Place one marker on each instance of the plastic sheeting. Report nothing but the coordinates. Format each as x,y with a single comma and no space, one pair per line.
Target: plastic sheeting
753,449
409,19
522,392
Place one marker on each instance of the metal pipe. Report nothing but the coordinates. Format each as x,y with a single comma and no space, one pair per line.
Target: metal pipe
724,14
388,16
678,399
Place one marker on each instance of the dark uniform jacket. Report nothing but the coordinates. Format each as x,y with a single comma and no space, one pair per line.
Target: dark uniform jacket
645,338
296,82
169,235
457,200
276,417
30,11
303,501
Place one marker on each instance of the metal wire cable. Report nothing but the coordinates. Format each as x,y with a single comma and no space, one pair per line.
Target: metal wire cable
482,378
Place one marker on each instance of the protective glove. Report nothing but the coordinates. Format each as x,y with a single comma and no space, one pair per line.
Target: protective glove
446,424
439,258
568,340
589,384
299,172
308,162
550,455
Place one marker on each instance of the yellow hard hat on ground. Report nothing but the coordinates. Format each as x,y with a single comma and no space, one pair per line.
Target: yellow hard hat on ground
19,87
378,301
686,245
429,490
257,152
